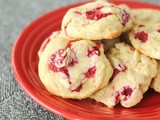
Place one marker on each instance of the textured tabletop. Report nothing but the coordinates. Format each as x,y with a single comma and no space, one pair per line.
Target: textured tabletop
15,15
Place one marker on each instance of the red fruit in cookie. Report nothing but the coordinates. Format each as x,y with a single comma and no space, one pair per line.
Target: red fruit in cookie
141,26
96,14
78,89
94,50
91,72
73,62
57,62
72,59
158,30
77,12
142,36
125,17
117,71
127,92
117,97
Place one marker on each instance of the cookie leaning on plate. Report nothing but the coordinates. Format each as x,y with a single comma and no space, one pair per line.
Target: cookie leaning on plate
73,69
132,76
146,39
97,20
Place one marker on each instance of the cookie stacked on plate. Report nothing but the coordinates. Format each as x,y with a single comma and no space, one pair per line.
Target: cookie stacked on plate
89,59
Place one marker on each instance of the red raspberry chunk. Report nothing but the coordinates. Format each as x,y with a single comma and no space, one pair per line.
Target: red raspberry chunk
127,92
142,36
117,71
158,30
125,17
117,97
78,89
141,26
77,12
96,14
91,72
94,50
73,62
57,62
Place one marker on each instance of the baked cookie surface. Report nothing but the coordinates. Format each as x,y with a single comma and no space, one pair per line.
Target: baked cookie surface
73,69
132,76
46,41
145,16
94,21
146,39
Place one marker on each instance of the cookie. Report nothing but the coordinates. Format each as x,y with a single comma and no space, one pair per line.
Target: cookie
74,69
155,84
132,76
145,16
146,39
94,21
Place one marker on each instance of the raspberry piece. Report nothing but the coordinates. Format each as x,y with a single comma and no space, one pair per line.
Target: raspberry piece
158,30
117,97
96,14
125,17
142,36
57,62
117,71
141,26
77,12
90,73
94,50
73,62
127,92
78,89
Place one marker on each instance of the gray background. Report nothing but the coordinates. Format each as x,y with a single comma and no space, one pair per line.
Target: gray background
15,15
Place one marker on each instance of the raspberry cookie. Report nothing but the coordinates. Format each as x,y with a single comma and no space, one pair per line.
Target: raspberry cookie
94,21
74,69
156,81
132,75
146,39
145,16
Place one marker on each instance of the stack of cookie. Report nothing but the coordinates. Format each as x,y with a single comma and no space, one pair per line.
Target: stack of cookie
89,59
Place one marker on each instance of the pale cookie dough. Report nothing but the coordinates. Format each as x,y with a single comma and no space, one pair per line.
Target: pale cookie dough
146,39
132,75
155,84
46,41
145,16
97,20
74,69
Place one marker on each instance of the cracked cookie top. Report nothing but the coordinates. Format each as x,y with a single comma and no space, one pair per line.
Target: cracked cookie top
132,76
95,20
74,69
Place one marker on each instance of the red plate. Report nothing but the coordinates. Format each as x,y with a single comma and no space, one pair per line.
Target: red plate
24,64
